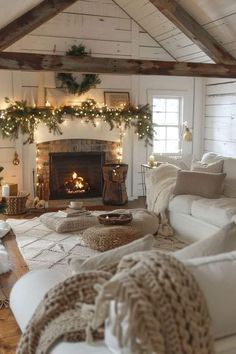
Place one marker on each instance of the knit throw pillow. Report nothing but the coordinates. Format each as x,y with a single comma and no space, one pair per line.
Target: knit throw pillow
207,185
61,225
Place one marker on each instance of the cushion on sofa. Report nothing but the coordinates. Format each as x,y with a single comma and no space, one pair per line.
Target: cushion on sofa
182,203
218,212
109,257
208,185
211,157
230,180
216,277
222,241
214,167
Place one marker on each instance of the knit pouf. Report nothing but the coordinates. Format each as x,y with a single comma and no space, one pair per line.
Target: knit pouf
103,238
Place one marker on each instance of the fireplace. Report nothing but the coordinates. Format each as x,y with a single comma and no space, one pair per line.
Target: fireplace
75,174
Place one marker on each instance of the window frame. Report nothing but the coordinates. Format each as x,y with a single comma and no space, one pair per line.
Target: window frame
179,125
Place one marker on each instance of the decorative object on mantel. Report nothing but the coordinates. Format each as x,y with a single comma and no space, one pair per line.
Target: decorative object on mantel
18,117
16,160
187,135
68,81
115,99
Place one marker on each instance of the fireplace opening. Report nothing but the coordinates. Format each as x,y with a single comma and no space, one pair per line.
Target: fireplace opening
75,174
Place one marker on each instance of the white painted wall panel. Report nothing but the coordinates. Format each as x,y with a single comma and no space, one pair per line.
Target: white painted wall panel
220,116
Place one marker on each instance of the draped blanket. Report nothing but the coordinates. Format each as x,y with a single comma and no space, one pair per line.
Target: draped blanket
160,183
156,294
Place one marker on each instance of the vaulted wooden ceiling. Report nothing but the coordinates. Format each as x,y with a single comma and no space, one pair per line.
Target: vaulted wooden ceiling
200,31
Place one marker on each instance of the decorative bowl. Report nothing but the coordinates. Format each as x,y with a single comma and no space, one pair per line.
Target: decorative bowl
115,219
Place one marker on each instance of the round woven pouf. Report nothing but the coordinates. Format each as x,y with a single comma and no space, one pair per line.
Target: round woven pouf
103,238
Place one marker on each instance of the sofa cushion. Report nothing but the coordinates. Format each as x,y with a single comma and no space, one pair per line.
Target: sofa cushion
208,185
182,203
230,180
211,157
219,289
218,212
214,167
222,241
109,257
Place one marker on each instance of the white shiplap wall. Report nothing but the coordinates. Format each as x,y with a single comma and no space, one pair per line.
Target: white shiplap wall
101,25
178,45
220,117
107,31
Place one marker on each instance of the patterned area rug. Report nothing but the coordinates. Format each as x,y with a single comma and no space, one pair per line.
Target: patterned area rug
43,248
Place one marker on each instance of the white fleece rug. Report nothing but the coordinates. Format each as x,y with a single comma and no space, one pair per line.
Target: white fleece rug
43,248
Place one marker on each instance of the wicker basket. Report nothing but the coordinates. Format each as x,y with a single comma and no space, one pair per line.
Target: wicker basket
16,204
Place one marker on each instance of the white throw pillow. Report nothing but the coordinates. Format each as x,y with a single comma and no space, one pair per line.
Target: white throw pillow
78,265
216,278
221,242
210,157
214,167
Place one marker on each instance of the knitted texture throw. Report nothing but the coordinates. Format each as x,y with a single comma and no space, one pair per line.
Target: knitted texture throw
164,306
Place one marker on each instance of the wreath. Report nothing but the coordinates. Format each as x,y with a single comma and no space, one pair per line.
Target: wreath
69,82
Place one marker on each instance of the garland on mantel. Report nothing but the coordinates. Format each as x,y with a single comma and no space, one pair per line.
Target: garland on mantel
20,118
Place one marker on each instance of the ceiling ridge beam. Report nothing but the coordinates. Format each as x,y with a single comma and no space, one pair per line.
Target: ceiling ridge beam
193,30
31,20
149,34
88,64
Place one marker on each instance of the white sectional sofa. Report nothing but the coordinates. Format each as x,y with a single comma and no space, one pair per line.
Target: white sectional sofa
30,290
194,217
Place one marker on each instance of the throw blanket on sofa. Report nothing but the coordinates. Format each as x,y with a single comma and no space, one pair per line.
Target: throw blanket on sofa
160,183
167,311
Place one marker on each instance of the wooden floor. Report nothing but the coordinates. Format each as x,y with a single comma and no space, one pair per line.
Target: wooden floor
9,331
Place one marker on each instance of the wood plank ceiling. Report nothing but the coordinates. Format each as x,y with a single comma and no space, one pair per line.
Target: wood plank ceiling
170,42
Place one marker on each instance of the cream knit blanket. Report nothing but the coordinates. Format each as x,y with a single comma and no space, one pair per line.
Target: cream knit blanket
164,306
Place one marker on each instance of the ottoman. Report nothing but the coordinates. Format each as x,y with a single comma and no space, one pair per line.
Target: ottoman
103,238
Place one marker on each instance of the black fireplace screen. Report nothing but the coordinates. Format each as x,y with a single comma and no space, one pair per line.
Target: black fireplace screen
75,175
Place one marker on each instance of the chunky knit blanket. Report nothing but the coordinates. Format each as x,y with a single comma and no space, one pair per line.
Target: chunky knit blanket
164,307
160,183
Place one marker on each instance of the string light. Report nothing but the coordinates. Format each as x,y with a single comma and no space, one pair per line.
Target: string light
18,117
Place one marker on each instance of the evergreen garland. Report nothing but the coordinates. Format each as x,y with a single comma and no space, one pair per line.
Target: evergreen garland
68,81
18,117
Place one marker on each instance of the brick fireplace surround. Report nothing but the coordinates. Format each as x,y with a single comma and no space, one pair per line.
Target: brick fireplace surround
110,149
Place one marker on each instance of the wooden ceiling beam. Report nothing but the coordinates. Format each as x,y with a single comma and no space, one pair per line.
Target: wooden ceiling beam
87,64
31,20
192,29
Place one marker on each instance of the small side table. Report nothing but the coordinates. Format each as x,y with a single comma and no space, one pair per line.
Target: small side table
144,168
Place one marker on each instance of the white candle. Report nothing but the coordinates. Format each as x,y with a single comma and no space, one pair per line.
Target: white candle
5,190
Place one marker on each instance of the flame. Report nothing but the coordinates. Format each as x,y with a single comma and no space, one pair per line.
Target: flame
76,185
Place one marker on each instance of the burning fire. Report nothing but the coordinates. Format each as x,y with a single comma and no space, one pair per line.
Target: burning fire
76,185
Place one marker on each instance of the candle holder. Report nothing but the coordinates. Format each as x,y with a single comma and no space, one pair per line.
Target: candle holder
151,160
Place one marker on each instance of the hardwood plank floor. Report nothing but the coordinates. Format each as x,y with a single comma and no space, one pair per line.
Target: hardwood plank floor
9,330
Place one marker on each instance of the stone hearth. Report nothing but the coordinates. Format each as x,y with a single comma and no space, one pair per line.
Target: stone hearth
109,148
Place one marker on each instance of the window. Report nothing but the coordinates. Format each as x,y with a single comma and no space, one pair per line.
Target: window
167,115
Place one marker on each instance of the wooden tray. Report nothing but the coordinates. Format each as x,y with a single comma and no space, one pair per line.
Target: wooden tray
115,219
